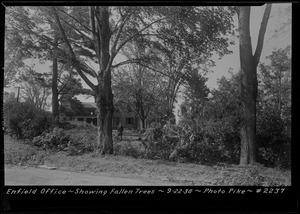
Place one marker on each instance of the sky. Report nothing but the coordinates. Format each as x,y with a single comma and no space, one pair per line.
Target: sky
228,61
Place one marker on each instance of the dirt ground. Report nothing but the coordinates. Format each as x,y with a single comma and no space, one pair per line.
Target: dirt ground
16,175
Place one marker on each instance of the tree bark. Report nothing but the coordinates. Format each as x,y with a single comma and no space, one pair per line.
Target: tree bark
142,115
55,104
104,96
248,96
249,84
143,123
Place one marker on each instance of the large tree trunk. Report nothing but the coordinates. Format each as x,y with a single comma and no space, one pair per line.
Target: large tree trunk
104,96
55,104
104,122
249,89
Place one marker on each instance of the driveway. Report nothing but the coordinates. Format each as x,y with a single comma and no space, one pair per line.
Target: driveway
15,175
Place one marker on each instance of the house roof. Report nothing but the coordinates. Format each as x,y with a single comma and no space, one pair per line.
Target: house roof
89,105
92,105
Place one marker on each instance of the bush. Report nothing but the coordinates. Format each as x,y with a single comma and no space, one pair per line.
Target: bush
274,142
81,141
160,149
191,141
77,138
207,141
24,120
156,144
56,139
153,133
83,137
216,138
128,150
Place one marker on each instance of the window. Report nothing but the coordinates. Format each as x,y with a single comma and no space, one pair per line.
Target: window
89,120
80,119
129,120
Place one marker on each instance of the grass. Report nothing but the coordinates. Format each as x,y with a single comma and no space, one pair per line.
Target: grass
18,153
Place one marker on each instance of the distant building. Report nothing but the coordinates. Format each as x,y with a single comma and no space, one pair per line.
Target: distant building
127,118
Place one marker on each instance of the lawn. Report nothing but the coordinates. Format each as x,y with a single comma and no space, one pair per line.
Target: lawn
18,153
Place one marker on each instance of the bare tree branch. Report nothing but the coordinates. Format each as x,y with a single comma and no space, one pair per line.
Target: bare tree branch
261,34
76,29
134,35
88,29
76,63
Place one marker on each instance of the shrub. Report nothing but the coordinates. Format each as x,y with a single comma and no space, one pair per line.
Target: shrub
56,139
128,150
81,141
160,149
76,138
273,140
82,137
207,141
24,120
153,133
156,144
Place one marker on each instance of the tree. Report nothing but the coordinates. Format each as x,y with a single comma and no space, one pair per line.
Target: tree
276,82
110,29
69,85
249,85
35,88
16,45
12,63
190,40
101,35
135,85
284,22
196,92
274,109
39,38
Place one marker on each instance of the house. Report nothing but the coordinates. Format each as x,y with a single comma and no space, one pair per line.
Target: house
127,118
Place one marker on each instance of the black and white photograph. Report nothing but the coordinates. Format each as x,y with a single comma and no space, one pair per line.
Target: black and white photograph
147,96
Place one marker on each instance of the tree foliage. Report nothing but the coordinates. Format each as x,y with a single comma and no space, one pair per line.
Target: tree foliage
138,89
274,110
275,82
176,41
35,88
39,39
24,120
16,44
136,85
196,92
